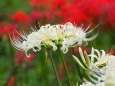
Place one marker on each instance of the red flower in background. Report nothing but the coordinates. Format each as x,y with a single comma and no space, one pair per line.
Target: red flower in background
61,70
9,28
73,14
39,3
112,51
44,16
20,17
76,11
99,11
1,31
111,14
20,57
11,81
31,58
35,3
76,49
36,15
58,4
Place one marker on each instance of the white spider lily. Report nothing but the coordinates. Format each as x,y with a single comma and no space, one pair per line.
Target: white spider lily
69,30
101,58
68,42
104,74
108,75
82,34
50,36
87,64
33,41
17,43
74,36
90,63
91,84
24,43
110,71
87,84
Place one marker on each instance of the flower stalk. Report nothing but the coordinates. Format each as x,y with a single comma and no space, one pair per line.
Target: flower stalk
54,67
63,61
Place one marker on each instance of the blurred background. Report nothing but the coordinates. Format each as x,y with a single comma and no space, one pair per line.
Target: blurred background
17,70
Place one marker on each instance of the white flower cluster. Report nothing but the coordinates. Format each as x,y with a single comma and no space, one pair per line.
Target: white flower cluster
106,74
91,84
110,71
50,36
100,57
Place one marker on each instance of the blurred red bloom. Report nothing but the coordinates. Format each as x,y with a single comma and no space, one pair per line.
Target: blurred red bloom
111,15
9,28
49,15
38,3
99,11
58,4
35,2
1,31
20,57
36,15
112,51
75,11
44,16
61,70
31,58
73,14
11,81
20,17
84,47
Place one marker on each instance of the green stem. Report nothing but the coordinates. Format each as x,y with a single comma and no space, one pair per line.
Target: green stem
79,75
54,68
63,61
26,75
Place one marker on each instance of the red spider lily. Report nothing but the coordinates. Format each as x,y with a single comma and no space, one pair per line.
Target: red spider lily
11,81
76,11
10,28
36,15
111,15
61,68
100,11
79,11
49,15
20,57
20,17
31,58
35,3
93,8
112,51
58,4
6,29
73,14
43,16
39,3
1,31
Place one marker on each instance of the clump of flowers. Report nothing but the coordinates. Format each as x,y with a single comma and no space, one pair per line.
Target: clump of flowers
51,36
100,67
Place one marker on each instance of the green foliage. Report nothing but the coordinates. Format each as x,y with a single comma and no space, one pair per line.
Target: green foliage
39,72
